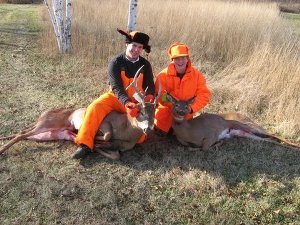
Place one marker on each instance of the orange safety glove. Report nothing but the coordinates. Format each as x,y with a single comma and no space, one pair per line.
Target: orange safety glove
149,98
132,109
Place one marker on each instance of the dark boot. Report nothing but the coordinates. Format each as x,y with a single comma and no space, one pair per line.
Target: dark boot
81,152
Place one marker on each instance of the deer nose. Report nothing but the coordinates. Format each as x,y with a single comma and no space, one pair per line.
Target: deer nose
182,113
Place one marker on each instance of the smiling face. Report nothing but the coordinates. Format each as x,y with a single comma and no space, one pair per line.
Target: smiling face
181,64
133,50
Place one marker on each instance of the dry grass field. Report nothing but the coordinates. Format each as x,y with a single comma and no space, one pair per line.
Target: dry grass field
249,53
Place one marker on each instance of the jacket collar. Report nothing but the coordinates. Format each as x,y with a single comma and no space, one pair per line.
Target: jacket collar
172,71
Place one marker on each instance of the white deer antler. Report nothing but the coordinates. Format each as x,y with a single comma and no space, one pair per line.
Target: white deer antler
159,93
138,95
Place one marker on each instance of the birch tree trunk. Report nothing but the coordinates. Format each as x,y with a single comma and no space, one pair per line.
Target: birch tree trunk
132,15
67,33
54,24
62,28
58,15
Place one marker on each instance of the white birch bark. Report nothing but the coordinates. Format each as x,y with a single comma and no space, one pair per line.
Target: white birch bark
67,33
132,15
54,23
58,14
62,28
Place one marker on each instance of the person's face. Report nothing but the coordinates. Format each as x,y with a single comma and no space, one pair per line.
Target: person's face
181,64
133,50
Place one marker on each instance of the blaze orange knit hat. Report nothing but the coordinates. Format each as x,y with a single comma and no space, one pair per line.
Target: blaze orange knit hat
178,49
136,36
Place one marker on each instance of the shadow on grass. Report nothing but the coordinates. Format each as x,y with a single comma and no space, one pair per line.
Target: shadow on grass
236,160
8,42
19,31
4,45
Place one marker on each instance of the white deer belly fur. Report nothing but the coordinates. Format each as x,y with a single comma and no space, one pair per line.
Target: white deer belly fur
224,134
77,118
54,135
228,133
240,133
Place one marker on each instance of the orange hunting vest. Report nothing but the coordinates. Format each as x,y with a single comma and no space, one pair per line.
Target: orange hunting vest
126,81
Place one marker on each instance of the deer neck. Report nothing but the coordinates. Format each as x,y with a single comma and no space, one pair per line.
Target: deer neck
177,119
180,124
133,124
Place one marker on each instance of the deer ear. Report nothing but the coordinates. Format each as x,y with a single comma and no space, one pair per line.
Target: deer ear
170,98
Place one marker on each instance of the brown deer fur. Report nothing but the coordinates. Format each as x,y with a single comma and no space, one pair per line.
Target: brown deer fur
118,131
208,129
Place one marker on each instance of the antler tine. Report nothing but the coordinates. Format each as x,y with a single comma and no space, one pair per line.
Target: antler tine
134,82
159,93
138,95
144,95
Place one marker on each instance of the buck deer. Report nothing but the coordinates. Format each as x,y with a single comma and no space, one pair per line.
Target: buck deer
117,131
207,129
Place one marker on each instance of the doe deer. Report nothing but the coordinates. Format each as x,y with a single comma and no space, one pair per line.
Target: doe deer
118,131
207,129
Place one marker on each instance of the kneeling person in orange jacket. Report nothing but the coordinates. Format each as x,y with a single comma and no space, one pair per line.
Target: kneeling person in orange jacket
121,71
183,81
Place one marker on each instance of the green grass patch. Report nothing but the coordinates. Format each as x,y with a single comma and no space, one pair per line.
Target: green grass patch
293,18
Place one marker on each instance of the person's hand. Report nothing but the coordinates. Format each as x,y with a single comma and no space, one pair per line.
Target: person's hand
149,98
132,109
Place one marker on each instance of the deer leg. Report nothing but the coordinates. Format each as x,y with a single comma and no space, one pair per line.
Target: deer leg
207,143
114,155
126,145
105,149
117,145
183,142
218,144
7,137
14,135
17,138
103,144
22,136
106,129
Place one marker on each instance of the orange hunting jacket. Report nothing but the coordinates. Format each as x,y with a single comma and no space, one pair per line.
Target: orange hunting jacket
191,84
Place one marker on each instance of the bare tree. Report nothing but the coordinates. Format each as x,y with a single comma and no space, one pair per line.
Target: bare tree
67,33
61,25
132,15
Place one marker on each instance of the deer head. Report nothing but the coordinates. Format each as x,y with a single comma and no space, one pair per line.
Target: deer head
145,119
180,107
